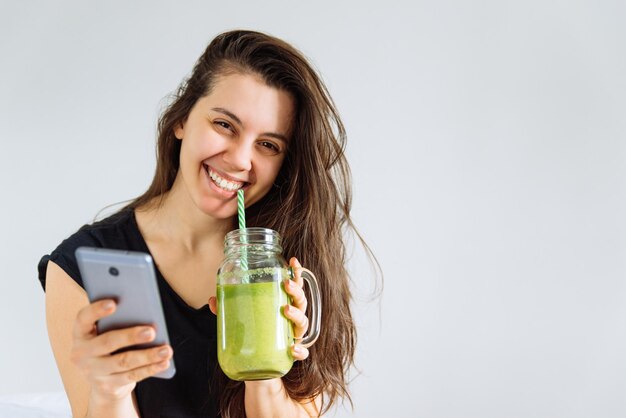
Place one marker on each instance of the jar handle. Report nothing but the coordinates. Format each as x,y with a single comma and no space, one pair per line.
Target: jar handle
315,321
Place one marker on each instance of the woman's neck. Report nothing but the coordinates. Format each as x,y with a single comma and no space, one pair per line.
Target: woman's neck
179,222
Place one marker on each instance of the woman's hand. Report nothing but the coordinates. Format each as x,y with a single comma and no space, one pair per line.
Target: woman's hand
114,376
296,312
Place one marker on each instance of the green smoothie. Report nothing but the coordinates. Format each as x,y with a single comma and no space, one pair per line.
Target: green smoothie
253,335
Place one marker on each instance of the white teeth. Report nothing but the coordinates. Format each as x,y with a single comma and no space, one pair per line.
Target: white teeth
230,186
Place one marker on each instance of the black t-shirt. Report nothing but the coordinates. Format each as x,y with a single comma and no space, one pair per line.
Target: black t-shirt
193,391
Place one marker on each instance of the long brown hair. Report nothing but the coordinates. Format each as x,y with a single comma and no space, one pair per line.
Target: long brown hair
309,204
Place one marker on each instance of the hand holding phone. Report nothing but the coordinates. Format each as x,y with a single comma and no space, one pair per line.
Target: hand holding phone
132,334
113,377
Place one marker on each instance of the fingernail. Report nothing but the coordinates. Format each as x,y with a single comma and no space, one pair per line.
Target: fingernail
163,352
108,305
297,262
297,349
146,333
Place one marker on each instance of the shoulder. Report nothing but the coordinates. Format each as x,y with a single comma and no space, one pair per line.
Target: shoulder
111,232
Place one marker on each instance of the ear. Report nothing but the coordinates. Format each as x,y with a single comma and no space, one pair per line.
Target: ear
179,130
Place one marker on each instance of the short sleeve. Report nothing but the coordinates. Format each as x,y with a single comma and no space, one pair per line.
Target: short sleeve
64,256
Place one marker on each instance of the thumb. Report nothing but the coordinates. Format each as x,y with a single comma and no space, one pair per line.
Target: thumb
213,304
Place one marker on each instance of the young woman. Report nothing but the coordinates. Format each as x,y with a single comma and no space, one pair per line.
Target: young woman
252,115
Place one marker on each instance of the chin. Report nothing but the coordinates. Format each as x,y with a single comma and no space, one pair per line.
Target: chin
218,211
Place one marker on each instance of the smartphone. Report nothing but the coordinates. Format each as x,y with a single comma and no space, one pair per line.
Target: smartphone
129,278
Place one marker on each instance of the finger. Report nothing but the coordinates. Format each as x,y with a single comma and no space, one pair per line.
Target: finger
297,294
140,373
133,359
111,341
299,352
297,270
299,319
213,304
84,326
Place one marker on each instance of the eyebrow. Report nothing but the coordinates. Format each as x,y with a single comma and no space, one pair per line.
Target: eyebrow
231,115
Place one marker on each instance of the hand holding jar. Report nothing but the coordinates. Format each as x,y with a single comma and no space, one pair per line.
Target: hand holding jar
260,331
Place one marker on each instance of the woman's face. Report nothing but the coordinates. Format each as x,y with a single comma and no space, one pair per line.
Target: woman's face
234,138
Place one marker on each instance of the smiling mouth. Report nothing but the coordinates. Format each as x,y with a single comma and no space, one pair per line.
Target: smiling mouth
222,183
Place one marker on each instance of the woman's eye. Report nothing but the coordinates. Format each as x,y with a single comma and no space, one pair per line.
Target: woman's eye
270,146
223,124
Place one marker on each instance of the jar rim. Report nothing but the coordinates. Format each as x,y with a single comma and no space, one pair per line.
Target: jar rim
251,230
252,236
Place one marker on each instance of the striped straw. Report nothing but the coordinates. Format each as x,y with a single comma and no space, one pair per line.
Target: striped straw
241,214
241,209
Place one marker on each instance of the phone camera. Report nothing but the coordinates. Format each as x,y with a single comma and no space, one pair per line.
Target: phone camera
113,271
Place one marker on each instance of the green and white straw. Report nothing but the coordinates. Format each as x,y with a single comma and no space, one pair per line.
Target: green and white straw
241,209
241,214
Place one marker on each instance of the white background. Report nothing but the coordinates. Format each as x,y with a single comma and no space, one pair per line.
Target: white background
487,142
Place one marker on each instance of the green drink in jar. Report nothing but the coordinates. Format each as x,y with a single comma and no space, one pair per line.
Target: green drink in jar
254,337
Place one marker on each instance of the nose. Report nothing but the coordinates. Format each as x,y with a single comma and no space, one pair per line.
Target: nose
238,156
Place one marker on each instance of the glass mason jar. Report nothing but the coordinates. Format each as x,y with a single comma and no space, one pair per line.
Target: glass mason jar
254,337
